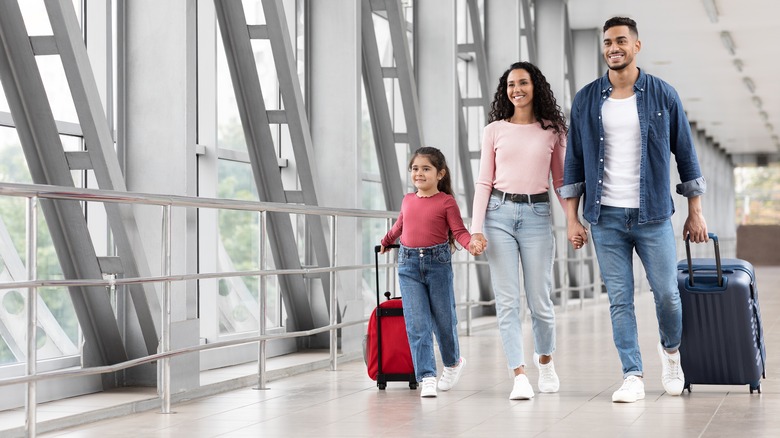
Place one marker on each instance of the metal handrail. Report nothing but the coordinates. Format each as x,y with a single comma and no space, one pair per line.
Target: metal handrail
35,192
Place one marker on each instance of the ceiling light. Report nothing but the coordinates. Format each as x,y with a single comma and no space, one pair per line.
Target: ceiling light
712,10
774,137
764,115
728,43
770,126
757,101
749,84
738,64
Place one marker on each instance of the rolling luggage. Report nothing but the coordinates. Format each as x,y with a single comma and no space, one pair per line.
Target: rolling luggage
387,352
722,337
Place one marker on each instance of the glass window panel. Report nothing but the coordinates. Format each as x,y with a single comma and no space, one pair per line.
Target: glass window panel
57,89
253,10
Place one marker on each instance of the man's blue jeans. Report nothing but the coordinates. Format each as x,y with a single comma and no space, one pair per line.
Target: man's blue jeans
425,278
616,236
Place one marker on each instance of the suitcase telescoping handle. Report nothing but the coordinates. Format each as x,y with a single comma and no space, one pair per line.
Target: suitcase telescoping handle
714,238
376,259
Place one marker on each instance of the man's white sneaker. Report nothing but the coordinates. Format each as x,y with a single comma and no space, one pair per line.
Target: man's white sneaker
428,387
450,375
548,379
672,375
522,388
633,389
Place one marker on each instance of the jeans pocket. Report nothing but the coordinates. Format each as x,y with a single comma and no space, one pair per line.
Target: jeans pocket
443,257
493,203
541,208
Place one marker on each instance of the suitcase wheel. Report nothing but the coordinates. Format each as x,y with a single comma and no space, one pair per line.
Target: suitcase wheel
381,385
756,387
688,387
412,385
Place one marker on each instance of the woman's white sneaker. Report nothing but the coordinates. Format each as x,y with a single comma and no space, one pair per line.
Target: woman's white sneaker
548,379
522,388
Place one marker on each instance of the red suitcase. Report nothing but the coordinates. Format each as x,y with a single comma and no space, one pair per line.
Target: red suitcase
388,356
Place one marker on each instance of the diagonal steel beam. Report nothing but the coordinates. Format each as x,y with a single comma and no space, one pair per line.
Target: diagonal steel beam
105,163
260,145
46,160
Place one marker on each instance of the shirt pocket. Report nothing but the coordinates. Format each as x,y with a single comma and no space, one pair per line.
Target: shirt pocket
658,129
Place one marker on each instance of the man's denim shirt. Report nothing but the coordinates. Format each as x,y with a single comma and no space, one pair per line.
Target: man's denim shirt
664,131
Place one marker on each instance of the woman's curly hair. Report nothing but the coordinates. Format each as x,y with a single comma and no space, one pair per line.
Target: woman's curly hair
545,107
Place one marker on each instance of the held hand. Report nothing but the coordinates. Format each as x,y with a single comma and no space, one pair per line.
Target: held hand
696,228
478,244
577,234
382,249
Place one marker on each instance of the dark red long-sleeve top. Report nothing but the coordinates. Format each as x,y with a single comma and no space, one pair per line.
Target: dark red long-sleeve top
425,221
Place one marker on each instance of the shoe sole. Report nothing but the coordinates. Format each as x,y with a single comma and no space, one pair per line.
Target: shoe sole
642,397
520,397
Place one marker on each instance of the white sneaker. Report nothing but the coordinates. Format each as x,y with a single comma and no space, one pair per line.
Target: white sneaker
450,375
672,375
548,379
428,387
633,389
522,389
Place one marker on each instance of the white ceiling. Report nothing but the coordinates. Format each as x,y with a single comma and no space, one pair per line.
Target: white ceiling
682,46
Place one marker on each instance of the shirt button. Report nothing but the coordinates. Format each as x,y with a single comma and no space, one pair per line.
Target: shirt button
602,160
599,181
659,114
598,202
602,138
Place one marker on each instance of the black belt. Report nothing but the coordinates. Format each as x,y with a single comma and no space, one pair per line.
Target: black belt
522,197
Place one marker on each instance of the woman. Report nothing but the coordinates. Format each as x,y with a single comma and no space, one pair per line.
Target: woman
523,143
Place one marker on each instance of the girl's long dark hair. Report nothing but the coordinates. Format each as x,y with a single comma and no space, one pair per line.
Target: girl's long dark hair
436,157
546,109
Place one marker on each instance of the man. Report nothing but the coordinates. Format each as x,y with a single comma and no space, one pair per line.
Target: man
624,128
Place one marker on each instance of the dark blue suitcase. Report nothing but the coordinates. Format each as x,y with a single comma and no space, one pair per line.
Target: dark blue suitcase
722,338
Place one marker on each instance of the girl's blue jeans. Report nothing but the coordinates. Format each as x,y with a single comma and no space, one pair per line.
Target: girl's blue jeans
425,277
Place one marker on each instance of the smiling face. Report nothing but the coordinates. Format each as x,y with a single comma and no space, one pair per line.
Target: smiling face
520,89
425,176
620,47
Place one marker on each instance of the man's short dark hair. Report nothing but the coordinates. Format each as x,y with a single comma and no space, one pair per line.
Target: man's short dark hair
622,21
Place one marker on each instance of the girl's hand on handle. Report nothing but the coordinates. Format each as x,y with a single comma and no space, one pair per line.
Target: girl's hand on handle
382,249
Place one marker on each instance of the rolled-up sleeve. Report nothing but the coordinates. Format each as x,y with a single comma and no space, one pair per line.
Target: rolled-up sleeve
571,190
689,189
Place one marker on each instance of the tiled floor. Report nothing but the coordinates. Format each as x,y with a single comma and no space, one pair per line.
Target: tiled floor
347,403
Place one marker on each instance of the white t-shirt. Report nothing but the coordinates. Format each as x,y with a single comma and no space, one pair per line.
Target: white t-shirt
622,150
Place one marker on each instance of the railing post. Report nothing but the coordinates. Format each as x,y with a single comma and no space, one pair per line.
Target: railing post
334,311
165,322
32,316
262,309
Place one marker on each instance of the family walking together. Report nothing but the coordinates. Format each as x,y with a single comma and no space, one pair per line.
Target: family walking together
615,155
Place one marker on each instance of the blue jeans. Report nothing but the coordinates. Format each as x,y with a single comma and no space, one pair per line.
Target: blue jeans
425,277
521,231
616,236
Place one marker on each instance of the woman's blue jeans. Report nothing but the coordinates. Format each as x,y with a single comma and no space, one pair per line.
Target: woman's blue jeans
521,231
615,237
425,278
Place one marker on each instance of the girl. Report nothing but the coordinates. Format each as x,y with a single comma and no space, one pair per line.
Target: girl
524,142
428,224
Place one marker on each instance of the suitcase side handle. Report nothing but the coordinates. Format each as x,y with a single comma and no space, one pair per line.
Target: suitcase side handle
714,238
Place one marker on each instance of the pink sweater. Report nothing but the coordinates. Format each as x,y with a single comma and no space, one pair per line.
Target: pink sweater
517,159
425,222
